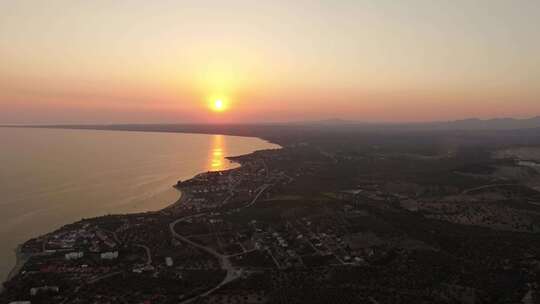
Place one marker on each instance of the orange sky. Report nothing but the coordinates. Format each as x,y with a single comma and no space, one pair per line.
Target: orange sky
74,61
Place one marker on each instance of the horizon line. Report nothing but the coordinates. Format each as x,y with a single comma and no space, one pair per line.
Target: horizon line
321,121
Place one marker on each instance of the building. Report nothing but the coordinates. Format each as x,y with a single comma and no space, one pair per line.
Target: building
109,255
74,255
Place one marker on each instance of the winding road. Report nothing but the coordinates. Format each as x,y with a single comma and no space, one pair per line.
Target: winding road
148,253
224,260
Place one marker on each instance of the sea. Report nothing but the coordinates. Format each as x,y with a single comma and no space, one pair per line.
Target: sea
52,177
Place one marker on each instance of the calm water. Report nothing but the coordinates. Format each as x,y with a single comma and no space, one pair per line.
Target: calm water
51,177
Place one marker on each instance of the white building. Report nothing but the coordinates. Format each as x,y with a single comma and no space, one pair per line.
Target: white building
74,255
109,255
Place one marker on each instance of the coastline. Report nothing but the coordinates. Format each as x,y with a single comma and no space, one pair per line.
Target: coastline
184,197
22,258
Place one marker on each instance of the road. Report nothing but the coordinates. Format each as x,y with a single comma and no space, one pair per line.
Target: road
224,260
148,253
106,276
263,188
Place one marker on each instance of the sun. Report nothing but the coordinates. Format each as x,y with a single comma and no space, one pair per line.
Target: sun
218,105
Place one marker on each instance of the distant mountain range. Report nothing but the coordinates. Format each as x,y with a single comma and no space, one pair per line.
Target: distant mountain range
494,124
464,124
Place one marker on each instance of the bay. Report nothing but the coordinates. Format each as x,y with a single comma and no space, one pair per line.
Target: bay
52,177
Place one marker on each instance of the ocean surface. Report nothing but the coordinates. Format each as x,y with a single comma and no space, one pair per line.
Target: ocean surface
52,177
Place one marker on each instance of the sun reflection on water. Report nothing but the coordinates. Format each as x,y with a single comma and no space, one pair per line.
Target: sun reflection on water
216,159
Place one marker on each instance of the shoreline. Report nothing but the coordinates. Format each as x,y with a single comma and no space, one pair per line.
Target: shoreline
22,258
181,200
20,261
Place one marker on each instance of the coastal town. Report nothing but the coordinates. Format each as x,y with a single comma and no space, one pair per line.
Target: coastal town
308,223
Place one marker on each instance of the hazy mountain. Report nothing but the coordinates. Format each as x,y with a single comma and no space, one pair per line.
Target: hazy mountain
464,124
490,124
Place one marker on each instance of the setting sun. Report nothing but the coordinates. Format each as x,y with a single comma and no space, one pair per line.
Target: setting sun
218,105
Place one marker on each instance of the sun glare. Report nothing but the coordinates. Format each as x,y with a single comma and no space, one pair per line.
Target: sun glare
218,105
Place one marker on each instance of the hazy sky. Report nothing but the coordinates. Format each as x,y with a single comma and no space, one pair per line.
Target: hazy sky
164,61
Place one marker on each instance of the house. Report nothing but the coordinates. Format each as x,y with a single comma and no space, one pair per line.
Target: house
74,255
109,255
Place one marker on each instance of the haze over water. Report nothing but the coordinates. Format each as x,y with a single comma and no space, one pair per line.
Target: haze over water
52,177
